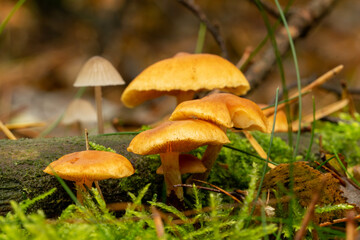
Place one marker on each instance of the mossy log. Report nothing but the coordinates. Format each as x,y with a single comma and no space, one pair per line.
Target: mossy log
22,163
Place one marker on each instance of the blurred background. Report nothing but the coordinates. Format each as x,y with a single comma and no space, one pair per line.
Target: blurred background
46,42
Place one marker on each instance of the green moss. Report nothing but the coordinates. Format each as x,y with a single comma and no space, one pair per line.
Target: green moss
344,137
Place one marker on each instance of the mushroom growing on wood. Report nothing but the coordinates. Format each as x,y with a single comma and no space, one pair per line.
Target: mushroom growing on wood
98,72
169,139
182,75
225,110
85,167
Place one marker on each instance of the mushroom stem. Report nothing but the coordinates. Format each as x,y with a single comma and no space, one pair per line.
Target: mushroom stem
170,162
98,99
80,189
208,159
184,96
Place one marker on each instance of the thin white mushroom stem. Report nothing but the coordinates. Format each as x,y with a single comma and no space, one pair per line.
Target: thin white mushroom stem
172,176
98,100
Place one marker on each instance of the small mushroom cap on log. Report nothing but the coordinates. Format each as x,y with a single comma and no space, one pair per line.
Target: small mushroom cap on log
177,136
188,164
91,165
98,71
185,72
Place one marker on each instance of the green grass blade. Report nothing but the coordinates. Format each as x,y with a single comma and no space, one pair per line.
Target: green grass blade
250,154
66,187
292,47
201,38
263,42
121,133
268,154
12,12
344,168
278,62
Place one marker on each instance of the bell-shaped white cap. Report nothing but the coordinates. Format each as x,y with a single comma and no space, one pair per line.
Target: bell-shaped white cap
98,71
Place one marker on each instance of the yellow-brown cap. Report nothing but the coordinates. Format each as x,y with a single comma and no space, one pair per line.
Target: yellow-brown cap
205,109
91,166
177,136
224,109
185,72
98,71
188,164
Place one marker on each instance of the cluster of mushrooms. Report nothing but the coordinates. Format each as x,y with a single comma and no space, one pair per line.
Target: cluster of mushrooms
193,123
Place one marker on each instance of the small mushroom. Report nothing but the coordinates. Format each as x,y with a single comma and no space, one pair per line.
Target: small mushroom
79,112
183,75
169,139
85,167
225,110
97,72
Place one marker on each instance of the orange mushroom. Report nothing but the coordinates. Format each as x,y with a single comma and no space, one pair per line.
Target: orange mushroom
169,139
85,167
182,75
225,110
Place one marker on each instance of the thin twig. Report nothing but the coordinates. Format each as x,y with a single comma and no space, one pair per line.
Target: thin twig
257,147
340,220
213,29
320,80
244,57
7,132
271,9
220,189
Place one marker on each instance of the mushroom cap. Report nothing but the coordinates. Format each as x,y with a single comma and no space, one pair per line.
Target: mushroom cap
177,136
188,164
98,71
79,110
205,109
185,72
91,165
224,109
